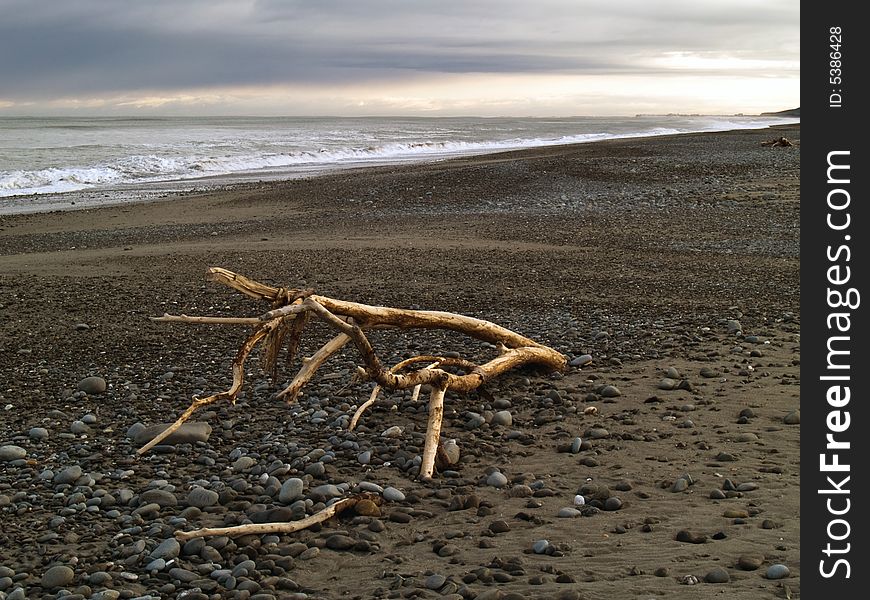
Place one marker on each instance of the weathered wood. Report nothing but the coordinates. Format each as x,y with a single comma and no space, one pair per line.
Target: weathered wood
291,308
433,432
285,527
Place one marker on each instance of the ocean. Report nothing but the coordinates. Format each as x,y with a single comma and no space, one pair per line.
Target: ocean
47,163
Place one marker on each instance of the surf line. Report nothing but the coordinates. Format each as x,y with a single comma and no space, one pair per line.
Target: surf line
841,300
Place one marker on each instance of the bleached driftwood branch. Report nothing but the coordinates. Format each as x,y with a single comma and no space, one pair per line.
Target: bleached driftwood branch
284,324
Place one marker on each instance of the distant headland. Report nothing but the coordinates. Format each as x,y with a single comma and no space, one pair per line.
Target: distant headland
791,112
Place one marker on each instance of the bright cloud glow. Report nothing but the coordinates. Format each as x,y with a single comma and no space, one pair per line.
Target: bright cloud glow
380,57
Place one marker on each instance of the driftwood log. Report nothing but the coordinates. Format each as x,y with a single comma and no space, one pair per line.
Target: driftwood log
282,328
780,142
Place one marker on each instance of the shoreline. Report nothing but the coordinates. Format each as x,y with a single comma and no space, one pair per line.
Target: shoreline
667,258
133,193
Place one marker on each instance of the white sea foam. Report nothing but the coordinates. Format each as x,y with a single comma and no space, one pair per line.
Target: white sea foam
178,154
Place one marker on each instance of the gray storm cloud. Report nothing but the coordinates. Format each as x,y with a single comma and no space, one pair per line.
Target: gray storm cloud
51,48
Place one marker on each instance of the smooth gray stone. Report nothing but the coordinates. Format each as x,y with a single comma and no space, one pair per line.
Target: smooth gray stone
291,490
188,433
10,453
92,385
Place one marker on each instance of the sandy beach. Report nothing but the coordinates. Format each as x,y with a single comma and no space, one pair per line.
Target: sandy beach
672,261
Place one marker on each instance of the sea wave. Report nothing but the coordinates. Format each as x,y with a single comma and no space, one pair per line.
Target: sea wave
175,165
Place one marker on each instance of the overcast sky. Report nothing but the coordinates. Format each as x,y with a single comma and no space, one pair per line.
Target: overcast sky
382,57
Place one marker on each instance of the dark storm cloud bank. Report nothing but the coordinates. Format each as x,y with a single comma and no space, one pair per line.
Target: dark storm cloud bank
50,48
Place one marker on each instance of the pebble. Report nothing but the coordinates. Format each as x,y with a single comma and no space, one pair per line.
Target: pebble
792,418
188,433
92,385
612,503
576,445
160,497
673,373
167,550
243,463
340,542
777,571
68,475
183,575
393,432
326,491
680,485
735,513
368,486
79,427
747,487
717,575
56,577
502,418
435,581
10,453
391,494
689,537
451,451
499,527
364,458
202,498
497,479
750,562
569,512
38,434
717,495
579,361
667,384
540,546
598,433
291,490
747,436
709,373
610,391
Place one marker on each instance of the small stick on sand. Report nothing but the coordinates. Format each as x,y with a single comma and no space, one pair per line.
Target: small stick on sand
285,527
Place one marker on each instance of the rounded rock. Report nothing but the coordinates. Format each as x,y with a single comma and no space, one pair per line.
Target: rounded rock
792,418
581,360
502,418
667,384
9,453
92,385
497,479
57,576
750,562
291,490
717,575
680,485
340,542
38,434
393,495
610,391
202,498
435,581
68,475
612,503
167,550
777,571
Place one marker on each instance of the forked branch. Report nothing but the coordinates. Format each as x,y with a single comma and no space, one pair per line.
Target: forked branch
291,308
